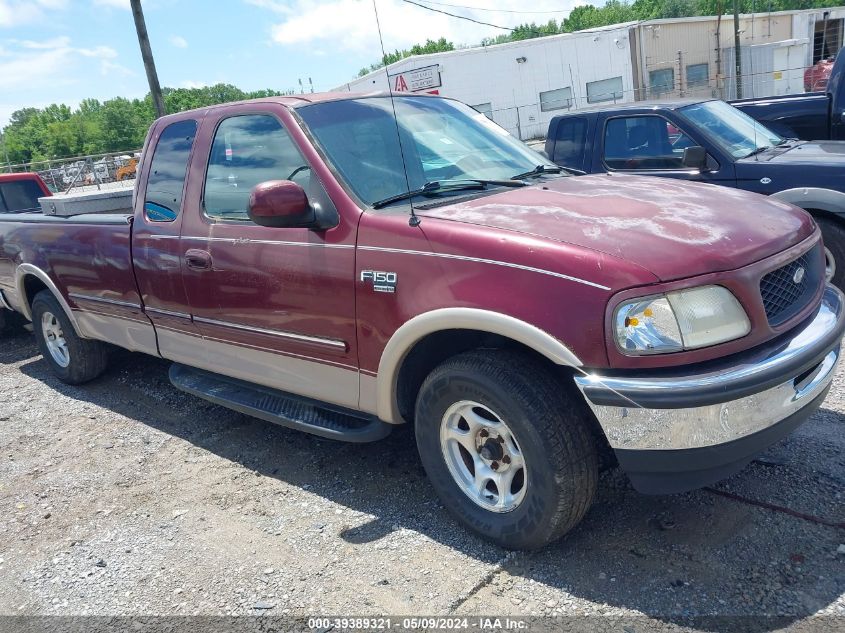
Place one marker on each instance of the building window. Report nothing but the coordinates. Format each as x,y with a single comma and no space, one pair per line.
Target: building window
604,90
485,108
560,99
698,75
661,81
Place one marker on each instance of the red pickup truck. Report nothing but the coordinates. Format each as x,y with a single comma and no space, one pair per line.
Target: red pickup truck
341,264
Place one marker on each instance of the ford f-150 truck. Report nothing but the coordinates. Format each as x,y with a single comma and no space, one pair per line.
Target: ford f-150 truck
812,117
712,142
341,264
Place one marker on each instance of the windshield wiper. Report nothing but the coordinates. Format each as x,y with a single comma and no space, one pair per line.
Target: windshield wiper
758,151
547,169
438,186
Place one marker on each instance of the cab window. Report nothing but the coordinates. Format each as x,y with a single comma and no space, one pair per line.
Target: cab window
570,138
248,150
644,142
163,201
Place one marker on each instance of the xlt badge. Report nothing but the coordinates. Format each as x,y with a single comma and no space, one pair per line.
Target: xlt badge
382,281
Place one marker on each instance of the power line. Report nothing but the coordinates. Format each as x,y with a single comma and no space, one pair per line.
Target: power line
462,6
460,17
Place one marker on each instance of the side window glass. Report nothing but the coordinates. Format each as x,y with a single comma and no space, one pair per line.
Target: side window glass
569,142
643,142
248,150
163,201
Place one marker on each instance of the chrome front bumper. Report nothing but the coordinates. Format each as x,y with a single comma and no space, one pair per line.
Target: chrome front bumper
681,424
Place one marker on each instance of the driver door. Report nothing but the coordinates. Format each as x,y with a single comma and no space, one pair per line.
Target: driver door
275,306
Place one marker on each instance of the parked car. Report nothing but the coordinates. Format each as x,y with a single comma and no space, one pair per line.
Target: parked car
19,192
710,142
817,75
525,322
811,117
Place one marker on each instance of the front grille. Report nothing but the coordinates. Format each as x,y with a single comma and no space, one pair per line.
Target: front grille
783,298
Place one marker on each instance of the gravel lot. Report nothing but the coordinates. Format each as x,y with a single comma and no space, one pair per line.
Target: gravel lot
127,497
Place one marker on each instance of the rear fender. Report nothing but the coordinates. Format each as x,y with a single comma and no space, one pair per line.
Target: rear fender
25,270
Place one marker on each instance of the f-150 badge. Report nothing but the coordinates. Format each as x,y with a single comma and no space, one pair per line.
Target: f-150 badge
382,281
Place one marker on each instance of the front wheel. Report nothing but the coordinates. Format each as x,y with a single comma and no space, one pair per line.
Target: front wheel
73,359
833,236
507,448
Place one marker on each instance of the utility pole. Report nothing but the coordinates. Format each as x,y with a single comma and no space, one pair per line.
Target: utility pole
147,56
737,51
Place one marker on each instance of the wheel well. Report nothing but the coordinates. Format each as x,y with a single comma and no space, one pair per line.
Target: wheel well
32,285
430,351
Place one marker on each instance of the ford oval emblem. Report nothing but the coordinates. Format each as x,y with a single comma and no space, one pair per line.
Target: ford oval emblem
766,180
799,275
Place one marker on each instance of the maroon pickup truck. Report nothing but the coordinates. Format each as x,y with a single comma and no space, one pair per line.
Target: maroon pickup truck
341,264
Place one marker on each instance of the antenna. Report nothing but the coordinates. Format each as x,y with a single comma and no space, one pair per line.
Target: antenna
414,220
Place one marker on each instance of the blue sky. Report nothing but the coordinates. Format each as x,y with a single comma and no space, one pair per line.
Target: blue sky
62,51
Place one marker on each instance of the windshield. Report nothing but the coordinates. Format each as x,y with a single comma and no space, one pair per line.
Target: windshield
732,130
441,140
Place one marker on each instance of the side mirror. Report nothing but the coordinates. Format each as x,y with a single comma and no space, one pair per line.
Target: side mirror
695,157
281,204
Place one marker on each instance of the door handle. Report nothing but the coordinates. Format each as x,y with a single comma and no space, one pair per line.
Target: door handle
197,259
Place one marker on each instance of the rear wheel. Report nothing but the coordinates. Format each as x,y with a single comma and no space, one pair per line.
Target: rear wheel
73,359
833,234
506,447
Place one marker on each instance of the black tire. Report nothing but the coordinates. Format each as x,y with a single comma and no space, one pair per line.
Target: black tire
550,424
86,359
833,235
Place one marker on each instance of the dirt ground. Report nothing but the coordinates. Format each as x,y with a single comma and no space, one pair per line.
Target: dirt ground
127,497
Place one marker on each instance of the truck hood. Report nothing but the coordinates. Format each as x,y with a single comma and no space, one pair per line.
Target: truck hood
816,154
673,229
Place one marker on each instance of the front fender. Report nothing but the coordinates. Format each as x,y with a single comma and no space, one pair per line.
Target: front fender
814,198
414,330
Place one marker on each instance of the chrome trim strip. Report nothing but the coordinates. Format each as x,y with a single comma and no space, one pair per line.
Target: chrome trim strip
245,240
286,354
180,315
115,302
5,303
481,260
329,342
111,316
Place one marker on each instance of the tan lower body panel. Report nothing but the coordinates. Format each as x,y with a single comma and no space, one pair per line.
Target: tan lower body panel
133,335
304,377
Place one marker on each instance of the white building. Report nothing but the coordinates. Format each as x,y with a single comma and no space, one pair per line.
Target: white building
522,85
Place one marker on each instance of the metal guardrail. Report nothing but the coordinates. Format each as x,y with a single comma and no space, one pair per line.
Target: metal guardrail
94,169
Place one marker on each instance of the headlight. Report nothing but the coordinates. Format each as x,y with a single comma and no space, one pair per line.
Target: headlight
686,319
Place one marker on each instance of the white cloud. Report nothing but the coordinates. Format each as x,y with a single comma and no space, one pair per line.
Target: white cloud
193,84
17,12
178,41
351,24
50,63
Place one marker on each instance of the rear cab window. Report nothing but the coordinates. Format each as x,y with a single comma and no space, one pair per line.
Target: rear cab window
163,201
570,141
20,196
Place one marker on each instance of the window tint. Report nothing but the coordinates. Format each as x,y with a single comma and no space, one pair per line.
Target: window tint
569,142
19,196
163,200
661,81
643,142
698,75
560,99
248,150
604,90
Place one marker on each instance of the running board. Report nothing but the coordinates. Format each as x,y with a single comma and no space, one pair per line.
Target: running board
279,407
